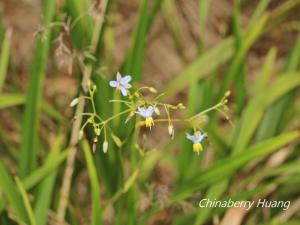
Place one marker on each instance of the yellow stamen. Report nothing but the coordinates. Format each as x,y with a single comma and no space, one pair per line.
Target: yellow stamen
149,122
197,147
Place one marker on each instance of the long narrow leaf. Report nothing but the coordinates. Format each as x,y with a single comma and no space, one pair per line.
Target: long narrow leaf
30,137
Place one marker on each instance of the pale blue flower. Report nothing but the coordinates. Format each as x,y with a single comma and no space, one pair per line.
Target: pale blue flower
196,139
122,83
147,114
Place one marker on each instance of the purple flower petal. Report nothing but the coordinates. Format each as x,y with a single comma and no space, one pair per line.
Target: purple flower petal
123,91
113,83
142,112
127,86
149,111
200,137
119,77
126,79
191,138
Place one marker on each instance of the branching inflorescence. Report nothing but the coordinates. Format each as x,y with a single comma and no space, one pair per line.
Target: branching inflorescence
148,112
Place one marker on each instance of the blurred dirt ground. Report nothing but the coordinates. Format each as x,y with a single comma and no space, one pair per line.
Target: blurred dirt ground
163,59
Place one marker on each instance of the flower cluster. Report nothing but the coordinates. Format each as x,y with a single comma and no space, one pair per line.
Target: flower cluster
145,109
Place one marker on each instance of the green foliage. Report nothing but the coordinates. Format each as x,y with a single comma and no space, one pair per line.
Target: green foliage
30,142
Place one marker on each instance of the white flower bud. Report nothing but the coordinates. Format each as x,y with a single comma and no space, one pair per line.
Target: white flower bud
94,88
156,110
153,90
97,131
171,130
74,102
227,93
180,106
105,146
80,135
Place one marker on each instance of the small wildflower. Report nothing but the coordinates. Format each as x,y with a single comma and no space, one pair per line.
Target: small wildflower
74,102
196,139
105,146
122,83
147,114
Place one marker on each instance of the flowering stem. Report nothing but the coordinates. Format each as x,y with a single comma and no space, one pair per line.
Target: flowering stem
93,115
93,103
115,116
87,71
116,107
207,110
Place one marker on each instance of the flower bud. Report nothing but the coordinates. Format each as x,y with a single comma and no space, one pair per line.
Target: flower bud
74,102
180,106
97,131
171,130
156,110
80,135
153,90
105,146
227,93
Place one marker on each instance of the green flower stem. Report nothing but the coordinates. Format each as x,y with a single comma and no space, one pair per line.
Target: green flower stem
215,107
87,72
115,116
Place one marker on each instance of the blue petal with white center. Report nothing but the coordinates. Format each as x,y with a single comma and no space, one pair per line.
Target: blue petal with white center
145,113
121,83
196,138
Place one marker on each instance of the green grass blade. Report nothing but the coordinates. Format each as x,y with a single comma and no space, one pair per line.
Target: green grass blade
40,173
275,115
239,82
234,68
134,60
133,64
203,15
82,23
15,99
8,187
9,100
37,176
259,10
215,192
25,198
169,11
259,104
4,57
96,208
30,137
42,202
202,66
266,72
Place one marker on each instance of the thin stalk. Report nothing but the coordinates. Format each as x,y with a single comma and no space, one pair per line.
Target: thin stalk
65,189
